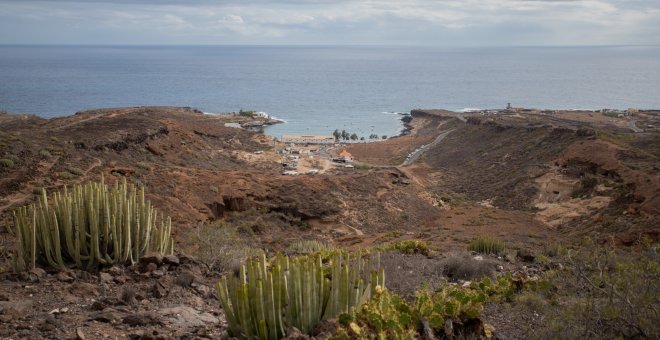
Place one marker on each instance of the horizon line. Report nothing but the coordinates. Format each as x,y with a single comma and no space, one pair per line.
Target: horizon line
328,45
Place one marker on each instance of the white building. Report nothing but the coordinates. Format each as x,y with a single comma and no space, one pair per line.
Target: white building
308,139
233,125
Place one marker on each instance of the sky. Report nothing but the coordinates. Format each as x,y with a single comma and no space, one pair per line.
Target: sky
321,22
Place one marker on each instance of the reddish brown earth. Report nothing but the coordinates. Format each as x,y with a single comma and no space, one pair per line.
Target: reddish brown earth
528,180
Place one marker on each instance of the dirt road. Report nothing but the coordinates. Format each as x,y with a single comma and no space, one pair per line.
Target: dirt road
412,158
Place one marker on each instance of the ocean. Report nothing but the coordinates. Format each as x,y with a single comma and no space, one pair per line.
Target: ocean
317,89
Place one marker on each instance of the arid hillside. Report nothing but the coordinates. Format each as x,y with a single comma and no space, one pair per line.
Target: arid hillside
458,198
197,170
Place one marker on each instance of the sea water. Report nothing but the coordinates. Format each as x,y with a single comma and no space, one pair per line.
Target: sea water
317,89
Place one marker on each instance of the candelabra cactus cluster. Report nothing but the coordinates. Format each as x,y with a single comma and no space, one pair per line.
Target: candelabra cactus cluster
307,247
265,299
89,226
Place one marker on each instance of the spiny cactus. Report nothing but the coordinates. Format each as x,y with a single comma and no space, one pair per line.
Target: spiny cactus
89,226
265,299
306,247
486,245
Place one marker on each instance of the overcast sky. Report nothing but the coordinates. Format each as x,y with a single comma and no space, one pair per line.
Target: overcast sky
377,22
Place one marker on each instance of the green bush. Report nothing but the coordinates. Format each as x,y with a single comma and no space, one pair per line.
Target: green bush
65,175
76,171
6,163
144,165
553,250
266,299
486,245
411,247
89,226
13,158
45,154
388,316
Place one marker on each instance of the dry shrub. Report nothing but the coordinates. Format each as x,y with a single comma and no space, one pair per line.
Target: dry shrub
405,274
465,267
220,247
128,295
606,293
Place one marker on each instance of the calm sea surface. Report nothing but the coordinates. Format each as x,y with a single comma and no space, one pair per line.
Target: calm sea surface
318,89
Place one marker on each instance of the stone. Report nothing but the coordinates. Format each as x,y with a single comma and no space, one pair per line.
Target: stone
185,279
203,290
115,271
121,279
293,333
84,289
65,277
478,258
149,267
14,310
449,329
156,258
525,255
38,273
161,288
99,305
49,324
107,315
184,259
157,273
80,335
105,277
171,260
142,319
181,316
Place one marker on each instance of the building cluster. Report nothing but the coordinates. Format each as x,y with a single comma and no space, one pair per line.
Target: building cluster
308,139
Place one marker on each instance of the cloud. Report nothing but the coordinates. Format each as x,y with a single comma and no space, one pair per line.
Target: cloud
448,22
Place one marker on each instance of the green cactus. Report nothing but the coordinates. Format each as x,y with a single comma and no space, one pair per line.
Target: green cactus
486,245
307,247
265,299
89,226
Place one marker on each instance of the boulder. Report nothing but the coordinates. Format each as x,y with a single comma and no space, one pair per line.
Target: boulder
172,260
153,257
525,255
105,277
142,319
65,277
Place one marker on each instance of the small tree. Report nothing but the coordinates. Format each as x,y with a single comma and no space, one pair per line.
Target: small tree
337,134
354,136
362,138
345,135
384,137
